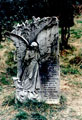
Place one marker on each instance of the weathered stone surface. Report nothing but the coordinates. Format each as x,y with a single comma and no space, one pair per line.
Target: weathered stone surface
37,60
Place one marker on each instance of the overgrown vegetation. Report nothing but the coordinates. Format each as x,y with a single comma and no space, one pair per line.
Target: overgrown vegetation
77,33
79,21
21,115
37,116
12,67
9,100
5,79
69,70
37,108
63,100
1,88
1,46
76,83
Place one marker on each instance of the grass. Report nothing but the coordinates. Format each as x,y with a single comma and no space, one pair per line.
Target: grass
76,60
73,48
37,116
12,67
69,70
77,33
79,21
35,105
4,80
76,83
63,100
1,46
33,110
21,115
79,117
80,66
9,100
10,59
1,88
29,104
12,70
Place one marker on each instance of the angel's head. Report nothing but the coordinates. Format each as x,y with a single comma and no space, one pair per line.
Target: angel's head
34,45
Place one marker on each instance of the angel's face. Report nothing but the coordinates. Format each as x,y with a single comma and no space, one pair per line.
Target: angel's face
21,95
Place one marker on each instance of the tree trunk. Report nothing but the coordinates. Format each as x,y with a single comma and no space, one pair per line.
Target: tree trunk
65,34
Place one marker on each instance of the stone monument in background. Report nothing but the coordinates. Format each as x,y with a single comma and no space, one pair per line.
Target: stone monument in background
37,45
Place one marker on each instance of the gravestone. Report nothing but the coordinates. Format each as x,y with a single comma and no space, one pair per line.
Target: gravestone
38,74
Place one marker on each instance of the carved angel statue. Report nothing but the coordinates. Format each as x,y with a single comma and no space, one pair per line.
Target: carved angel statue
34,43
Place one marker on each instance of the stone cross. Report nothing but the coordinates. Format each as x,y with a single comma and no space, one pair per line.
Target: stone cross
38,74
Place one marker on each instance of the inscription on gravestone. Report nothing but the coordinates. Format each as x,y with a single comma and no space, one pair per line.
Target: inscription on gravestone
38,71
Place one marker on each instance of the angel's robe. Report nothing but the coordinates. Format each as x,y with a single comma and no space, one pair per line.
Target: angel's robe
31,78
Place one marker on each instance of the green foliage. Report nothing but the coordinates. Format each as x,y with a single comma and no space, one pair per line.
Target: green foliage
37,116
73,48
1,46
9,100
1,88
32,105
79,21
4,80
22,115
35,105
80,66
11,69
10,59
76,83
59,31
79,117
62,105
63,100
77,33
69,69
18,104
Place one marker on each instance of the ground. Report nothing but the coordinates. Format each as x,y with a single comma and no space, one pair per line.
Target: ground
70,107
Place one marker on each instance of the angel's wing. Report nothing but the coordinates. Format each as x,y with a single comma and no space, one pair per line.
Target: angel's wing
21,46
47,39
